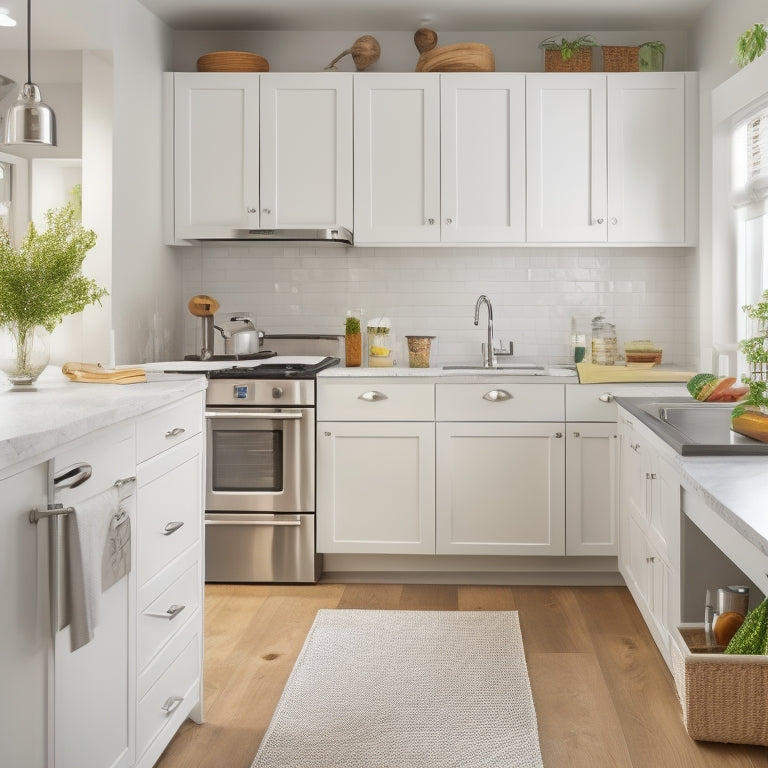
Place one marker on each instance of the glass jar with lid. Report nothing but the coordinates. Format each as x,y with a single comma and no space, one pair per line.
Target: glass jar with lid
381,343
604,347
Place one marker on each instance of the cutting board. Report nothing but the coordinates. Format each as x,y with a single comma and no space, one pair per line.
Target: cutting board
589,373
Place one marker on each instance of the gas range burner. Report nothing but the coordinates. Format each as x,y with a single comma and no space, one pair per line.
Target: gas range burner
290,369
263,355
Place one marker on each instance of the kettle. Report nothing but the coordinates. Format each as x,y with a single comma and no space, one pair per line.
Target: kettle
242,338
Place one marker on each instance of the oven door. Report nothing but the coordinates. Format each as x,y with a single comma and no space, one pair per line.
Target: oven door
260,460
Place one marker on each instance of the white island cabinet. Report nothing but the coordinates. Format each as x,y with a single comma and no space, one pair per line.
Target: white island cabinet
86,708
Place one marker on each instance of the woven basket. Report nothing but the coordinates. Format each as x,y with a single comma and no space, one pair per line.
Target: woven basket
722,695
232,61
621,58
581,61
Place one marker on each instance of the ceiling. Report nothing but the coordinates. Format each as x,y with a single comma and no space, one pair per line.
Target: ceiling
76,24
377,15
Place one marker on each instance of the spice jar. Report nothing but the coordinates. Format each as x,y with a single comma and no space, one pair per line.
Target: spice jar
353,338
380,343
604,348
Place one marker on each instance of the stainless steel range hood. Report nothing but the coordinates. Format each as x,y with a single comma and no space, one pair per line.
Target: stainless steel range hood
328,236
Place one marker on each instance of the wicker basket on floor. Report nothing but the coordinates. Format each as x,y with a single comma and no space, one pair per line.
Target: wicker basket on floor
722,696
621,58
580,61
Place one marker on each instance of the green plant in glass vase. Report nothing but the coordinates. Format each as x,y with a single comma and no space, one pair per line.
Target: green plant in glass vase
41,281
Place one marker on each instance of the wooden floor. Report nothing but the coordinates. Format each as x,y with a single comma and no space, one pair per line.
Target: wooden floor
603,695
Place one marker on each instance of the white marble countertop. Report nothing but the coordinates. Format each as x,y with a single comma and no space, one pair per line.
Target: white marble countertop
36,421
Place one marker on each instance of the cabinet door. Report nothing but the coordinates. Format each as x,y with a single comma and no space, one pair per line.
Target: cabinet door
590,489
376,487
646,158
483,158
306,150
500,488
566,158
94,686
216,153
633,468
25,630
397,158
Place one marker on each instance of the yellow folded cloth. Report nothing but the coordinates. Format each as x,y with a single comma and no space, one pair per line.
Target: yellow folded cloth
93,373
589,373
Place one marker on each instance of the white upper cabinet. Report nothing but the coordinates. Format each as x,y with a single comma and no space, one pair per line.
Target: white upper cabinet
439,158
611,158
216,154
261,151
482,158
566,156
397,158
306,150
646,158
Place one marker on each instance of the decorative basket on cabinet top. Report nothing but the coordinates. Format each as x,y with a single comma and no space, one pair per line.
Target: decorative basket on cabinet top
232,61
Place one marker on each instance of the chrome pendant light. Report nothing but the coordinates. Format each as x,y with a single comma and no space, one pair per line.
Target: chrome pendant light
29,120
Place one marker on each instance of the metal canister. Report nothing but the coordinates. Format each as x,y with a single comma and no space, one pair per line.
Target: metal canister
733,599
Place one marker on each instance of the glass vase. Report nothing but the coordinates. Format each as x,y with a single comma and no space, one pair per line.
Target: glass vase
24,353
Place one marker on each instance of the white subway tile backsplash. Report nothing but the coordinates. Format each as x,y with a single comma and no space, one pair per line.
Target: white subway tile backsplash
646,292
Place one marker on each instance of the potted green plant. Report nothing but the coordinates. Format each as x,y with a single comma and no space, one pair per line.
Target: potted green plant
750,45
40,282
750,416
565,55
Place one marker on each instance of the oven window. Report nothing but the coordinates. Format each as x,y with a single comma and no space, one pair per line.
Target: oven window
247,460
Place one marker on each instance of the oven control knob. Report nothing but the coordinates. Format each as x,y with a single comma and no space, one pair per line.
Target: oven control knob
277,392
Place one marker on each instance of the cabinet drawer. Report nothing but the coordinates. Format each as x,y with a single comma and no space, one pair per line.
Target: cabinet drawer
367,401
165,702
169,504
595,402
168,613
168,427
499,402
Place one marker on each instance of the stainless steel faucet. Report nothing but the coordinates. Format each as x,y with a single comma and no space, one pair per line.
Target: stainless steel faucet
489,359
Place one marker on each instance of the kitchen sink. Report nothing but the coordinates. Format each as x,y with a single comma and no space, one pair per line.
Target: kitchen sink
522,369
693,428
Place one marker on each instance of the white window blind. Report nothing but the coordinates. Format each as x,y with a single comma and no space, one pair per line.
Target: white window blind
750,164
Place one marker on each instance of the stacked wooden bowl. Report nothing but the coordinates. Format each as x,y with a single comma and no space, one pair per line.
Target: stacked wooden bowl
460,57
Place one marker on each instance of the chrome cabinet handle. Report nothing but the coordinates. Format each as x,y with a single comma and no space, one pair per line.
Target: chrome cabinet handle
449,221
650,559
577,434
614,220
172,704
606,397
175,432
172,527
372,397
172,612
497,396
251,210
72,476
266,210
558,434
599,221
430,221
635,447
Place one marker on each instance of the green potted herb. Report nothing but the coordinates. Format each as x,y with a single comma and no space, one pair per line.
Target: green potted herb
353,339
750,45
568,55
41,282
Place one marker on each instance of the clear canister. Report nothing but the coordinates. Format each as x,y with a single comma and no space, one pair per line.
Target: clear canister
381,345
604,347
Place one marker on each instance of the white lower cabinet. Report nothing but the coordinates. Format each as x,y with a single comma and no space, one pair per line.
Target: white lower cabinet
649,515
24,630
500,488
376,487
590,489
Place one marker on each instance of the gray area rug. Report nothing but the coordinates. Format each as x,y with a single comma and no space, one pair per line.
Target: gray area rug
406,689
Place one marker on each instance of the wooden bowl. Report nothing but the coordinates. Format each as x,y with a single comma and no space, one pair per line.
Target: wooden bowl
232,61
461,57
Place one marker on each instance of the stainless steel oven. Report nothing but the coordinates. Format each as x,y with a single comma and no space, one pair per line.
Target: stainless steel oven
260,473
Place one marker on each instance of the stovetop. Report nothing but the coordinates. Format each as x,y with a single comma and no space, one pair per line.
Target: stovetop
280,367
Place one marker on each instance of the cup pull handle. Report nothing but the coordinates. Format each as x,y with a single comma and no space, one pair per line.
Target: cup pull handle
497,396
606,397
372,397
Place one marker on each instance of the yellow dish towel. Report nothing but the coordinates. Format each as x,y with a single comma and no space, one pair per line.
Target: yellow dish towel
589,373
93,373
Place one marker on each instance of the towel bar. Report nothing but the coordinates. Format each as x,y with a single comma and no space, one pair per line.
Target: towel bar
35,515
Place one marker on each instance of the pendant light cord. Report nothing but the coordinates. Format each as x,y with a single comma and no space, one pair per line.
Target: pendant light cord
29,41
